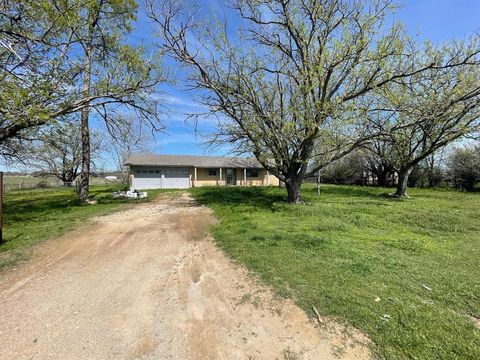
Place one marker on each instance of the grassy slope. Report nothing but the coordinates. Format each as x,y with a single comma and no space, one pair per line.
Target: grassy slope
32,216
343,250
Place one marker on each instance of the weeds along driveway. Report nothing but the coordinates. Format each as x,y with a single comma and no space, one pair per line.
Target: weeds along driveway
149,283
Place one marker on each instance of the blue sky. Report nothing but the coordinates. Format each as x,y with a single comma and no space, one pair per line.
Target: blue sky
437,20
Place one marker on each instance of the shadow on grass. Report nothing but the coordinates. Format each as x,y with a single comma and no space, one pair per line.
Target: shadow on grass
258,197
346,191
30,205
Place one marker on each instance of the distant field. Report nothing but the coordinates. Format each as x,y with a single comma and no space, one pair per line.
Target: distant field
405,272
18,182
32,216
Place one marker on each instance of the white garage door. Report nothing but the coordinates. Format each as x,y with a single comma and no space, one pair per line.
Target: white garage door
176,179
161,179
147,179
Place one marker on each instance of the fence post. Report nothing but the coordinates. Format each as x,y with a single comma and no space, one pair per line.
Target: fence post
1,207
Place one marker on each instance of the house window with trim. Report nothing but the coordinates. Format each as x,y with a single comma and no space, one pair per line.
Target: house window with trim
252,173
212,172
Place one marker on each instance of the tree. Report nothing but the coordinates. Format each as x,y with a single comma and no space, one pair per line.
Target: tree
57,151
111,66
379,163
96,70
433,169
34,75
464,167
128,137
429,110
350,169
295,72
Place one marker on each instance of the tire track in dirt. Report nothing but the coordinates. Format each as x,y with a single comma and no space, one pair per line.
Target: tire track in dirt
149,283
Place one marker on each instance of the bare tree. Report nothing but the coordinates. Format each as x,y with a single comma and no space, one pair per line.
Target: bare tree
127,138
294,74
379,161
57,151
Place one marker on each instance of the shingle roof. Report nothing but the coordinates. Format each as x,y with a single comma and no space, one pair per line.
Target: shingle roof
187,160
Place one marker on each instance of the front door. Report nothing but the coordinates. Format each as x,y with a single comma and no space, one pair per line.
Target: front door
231,178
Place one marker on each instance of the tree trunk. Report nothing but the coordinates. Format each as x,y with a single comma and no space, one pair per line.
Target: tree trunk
85,174
402,182
318,183
382,179
293,191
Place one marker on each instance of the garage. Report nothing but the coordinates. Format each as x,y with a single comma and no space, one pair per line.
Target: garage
176,178
161,178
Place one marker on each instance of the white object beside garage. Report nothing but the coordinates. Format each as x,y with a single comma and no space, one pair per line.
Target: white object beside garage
172,178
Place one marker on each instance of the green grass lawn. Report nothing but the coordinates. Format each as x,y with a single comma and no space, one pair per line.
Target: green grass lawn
343,250
32,216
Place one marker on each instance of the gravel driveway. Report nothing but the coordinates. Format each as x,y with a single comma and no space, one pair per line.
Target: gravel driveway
149,283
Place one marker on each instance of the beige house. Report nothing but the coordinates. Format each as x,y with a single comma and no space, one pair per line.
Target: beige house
150,171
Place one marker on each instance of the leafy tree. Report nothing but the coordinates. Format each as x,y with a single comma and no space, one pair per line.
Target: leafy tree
296,72
464,167
110,68
423,113
34,75
71,56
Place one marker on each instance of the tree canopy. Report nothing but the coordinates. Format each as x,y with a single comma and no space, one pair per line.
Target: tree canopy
423,113
292,84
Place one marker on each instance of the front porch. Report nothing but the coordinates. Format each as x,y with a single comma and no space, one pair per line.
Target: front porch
221,176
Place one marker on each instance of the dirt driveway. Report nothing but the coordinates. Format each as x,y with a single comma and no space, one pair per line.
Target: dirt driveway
149,283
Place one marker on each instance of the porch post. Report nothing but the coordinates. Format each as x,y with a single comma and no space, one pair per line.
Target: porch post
244,177
220,174
195,173
267,178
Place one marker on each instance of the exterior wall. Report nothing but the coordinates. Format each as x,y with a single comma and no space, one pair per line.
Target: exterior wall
203,179
261,180
272,180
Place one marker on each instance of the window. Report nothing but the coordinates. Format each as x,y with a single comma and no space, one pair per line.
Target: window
212,172
157,171
150,171
252,173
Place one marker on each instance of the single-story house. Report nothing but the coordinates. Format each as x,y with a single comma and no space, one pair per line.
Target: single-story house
151,171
